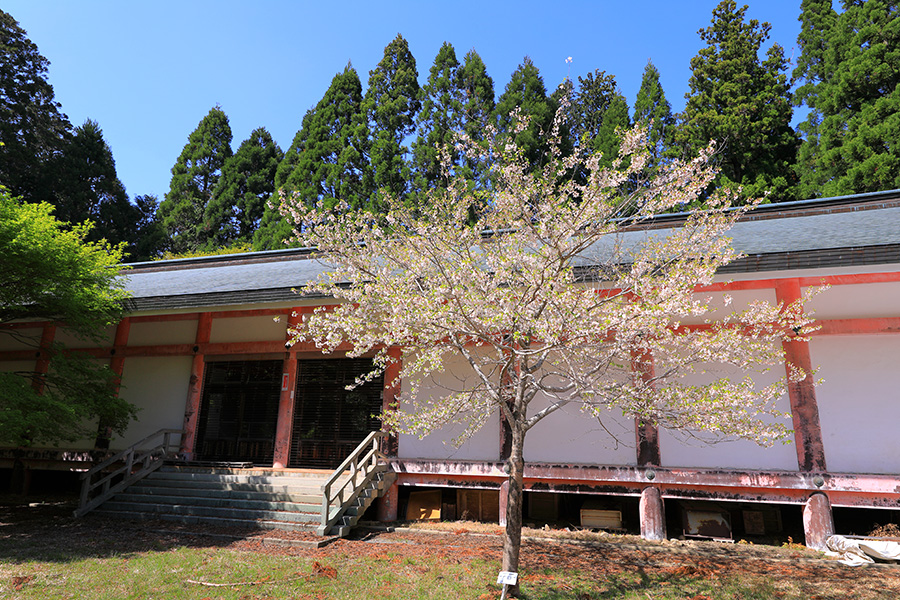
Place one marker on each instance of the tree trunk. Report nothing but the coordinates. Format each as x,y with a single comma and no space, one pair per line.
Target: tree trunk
512,542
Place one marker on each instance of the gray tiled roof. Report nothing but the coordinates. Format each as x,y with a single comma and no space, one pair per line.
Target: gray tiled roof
795,238
795,234
223,277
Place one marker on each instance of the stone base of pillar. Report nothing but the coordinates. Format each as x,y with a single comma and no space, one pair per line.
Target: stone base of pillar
652,514
818,522
388,504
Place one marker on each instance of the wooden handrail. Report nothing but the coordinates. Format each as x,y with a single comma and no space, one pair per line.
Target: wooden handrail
365,461
150,459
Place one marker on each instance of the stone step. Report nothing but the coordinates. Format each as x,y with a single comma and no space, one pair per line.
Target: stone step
235,514
301,496
264,504
245,497
297,488
243,478
206,520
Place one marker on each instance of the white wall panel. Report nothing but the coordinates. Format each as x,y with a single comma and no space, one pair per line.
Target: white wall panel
158,386
21,339
573,436
710,451
162,332
18,365
247,329
857,301
484,445
739,301
859,402
65,337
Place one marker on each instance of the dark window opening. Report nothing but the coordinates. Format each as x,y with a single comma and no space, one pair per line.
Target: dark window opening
239,411
329,420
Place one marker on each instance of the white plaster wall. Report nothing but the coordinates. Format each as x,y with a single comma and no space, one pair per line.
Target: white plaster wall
859,402
163,332
158,386
739,301
857,301
69,340
573,436
18,365
709,451
484,445
21,339
248,329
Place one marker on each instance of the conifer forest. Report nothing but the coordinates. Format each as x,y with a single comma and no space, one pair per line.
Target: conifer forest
399,134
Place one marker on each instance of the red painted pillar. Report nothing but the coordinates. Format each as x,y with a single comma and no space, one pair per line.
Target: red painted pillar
117,360
42,364
652,514
388,505
390,397
802,394
285,423
818,522
195,388
117,364
646,433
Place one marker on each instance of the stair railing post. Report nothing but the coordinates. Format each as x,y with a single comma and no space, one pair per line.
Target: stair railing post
326,503
86,489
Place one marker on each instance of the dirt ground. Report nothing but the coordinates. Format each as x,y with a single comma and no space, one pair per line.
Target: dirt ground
599,555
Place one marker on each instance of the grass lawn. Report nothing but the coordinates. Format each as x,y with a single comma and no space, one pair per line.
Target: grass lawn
46,554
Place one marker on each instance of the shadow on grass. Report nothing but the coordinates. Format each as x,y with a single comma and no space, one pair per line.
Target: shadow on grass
43,528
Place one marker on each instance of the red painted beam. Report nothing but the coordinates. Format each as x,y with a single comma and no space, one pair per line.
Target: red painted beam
756,284
851,279
869,326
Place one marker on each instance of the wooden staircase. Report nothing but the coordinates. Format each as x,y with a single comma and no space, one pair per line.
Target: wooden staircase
324,502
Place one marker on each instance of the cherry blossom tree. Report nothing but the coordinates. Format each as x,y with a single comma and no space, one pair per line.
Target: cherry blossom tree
555,292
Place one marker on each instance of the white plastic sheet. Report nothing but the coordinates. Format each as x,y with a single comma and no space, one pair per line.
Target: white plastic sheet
855,551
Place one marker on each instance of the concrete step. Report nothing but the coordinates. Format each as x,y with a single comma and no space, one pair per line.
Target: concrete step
207,520
265,504
230,513
297,488
243,478
252,498
301,496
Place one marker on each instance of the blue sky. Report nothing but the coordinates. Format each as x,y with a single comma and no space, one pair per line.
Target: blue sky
148,72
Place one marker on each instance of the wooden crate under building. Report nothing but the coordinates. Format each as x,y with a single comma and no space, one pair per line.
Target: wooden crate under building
543,507
596,514
478,505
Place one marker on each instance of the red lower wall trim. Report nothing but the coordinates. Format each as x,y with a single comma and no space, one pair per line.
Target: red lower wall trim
875,491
